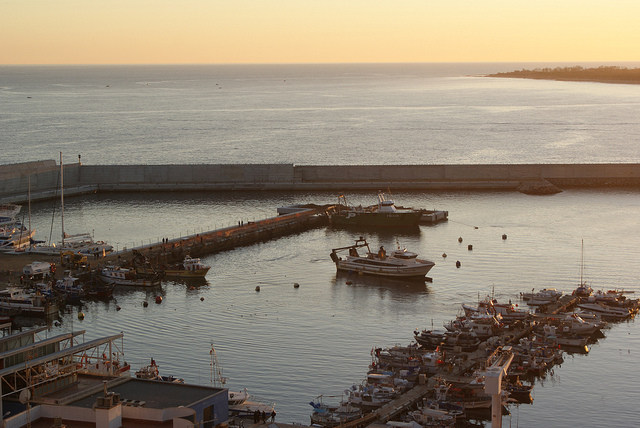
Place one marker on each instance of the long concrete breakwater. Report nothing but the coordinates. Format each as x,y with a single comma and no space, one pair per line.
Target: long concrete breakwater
42,178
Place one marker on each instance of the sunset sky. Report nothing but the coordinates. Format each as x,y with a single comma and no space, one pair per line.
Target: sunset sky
320,31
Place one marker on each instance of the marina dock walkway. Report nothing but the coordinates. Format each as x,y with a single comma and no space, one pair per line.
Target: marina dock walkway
385,413
206,243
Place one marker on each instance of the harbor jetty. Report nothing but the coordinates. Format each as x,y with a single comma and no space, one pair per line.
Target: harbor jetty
196,245
245,233
42,178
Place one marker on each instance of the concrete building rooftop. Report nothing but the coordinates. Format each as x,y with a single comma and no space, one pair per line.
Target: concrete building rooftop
154,394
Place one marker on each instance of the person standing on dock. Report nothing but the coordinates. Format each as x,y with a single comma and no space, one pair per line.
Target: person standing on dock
273,416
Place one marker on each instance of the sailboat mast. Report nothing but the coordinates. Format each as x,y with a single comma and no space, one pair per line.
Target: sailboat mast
62,198
29,198
581,262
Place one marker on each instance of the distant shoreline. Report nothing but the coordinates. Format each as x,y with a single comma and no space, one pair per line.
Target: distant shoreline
613,74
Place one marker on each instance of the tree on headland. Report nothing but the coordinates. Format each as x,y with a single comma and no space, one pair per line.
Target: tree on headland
608,74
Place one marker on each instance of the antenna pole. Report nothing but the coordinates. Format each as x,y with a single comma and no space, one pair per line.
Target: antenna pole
62,197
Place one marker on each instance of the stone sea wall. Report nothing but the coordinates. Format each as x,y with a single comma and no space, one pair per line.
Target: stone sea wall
42,178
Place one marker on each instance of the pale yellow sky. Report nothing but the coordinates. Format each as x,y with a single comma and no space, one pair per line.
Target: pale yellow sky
321,31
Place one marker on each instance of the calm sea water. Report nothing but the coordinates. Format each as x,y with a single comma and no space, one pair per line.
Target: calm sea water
291,345
312,114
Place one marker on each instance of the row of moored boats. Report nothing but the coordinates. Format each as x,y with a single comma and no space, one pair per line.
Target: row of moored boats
444,358
41,293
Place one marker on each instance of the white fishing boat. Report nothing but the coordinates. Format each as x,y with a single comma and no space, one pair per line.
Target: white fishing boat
121,276
609,297
542,297
248,407
575,324
551,333
507,311
616,312
370,397
151,372
9,213
383,214
84,243
14,237
16,298
549,293
331,416
433,416
400,263
191,267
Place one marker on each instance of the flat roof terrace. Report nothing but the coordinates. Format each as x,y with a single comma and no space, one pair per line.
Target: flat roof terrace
154,393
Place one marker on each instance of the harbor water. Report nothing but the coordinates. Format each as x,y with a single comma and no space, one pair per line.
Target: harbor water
291,344
288,344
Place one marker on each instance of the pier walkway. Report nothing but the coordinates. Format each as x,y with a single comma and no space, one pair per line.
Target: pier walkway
197,245
380,416
205,243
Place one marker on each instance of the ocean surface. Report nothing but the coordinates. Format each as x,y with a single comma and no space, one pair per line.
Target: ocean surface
290,345
312,114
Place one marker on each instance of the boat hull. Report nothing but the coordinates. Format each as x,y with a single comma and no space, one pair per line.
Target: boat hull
178,273
417,271
131,283
605,311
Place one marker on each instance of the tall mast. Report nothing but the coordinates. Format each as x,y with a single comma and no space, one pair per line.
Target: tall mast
582,262
217,380
62,198
29,198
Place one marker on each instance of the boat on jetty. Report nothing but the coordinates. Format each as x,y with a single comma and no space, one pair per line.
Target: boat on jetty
519,391
14,236
84,243
70,288
243,405
9,213
383,214
329,416
542,297
606,311
400,263
122,276
191,267
25,302
459,341
151,372
507,311
370,397
550,333
429,414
